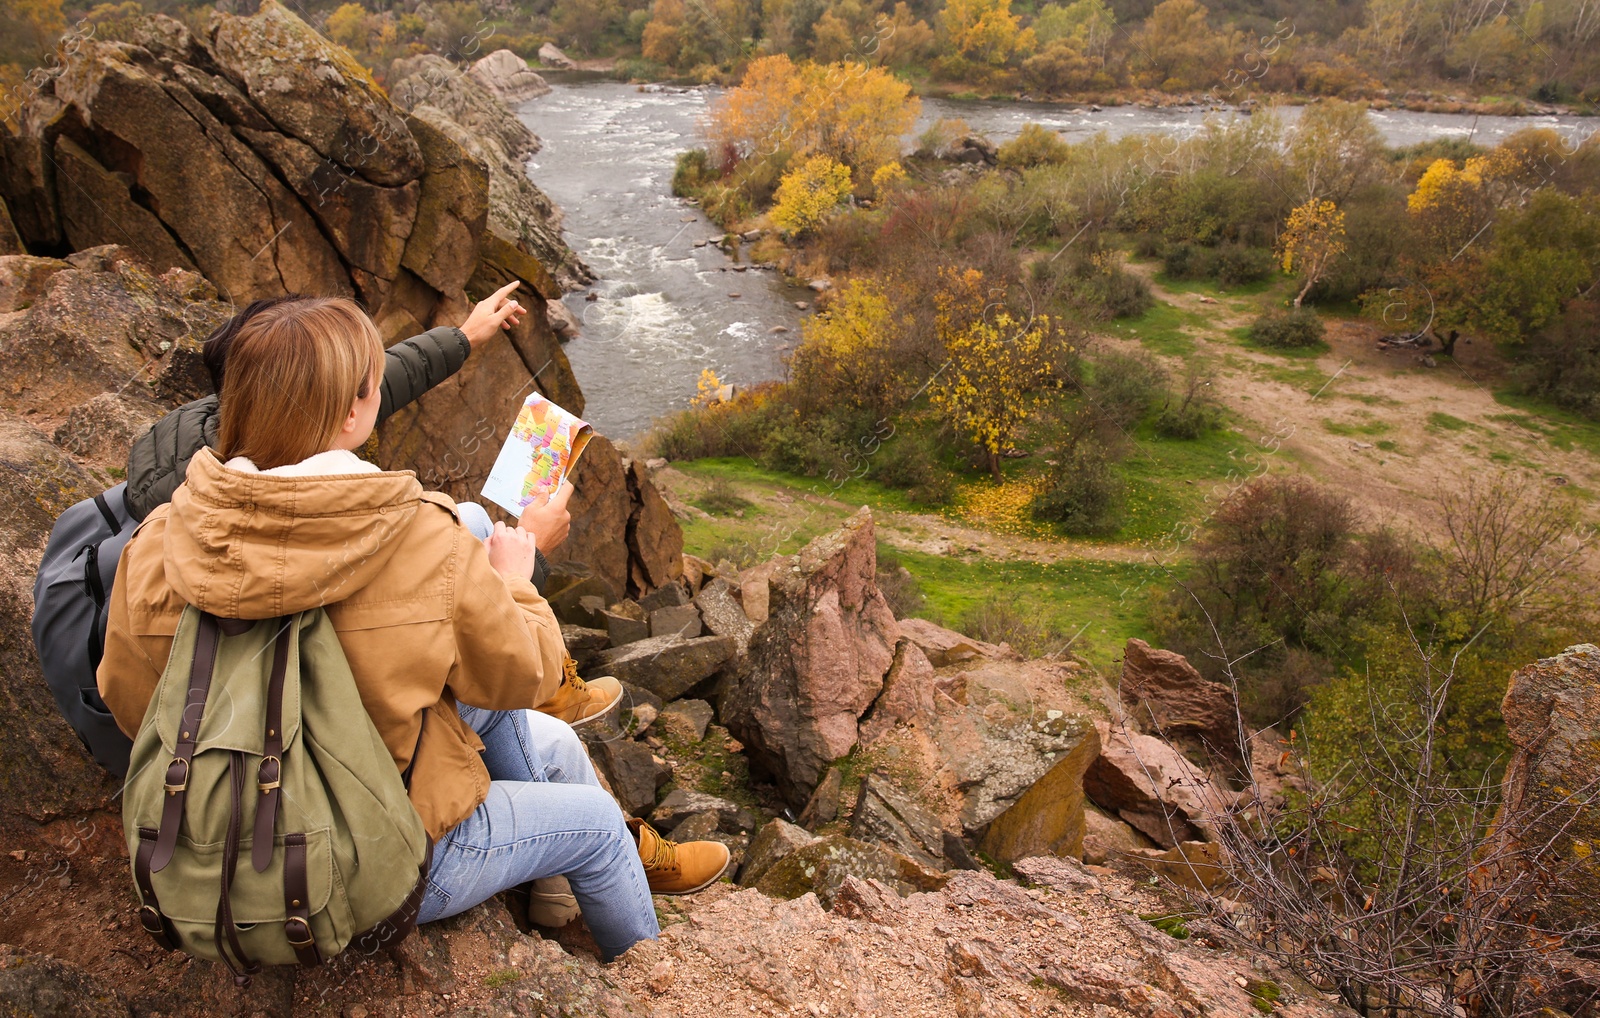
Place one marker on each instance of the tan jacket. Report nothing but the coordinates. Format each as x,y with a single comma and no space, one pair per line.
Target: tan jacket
423,618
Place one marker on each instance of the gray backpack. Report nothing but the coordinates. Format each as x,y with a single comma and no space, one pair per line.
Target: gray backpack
69,617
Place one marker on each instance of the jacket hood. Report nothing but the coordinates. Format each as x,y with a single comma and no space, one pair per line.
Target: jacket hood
256,546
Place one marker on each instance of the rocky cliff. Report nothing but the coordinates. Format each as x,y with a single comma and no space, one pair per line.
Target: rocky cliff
262,159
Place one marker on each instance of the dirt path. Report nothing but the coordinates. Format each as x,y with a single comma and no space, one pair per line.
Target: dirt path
1382,427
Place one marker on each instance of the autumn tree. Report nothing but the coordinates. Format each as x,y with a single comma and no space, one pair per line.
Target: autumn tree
1333,150
850,112
1312,238
984,31
1000,370
29,30
809,192
847,352
349,27
1177,49
700,32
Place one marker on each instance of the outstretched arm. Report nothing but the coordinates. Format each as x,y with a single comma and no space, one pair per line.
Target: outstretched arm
413,366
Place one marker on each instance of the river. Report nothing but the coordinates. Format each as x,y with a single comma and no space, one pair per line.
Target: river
664,308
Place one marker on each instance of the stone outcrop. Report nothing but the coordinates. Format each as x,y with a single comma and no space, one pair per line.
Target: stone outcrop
818,661
508,77
460,105
251,160
551,56
977,946
1548,821
1149,785
1165,695
822,866
264,158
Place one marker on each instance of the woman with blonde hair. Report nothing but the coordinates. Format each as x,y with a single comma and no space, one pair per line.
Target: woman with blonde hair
283,516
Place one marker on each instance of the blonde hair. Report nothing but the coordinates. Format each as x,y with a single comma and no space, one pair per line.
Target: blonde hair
292,373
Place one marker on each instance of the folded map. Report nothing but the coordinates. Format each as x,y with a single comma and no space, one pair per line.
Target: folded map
543,445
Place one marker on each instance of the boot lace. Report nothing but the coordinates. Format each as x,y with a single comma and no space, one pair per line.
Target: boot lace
569,675
665,856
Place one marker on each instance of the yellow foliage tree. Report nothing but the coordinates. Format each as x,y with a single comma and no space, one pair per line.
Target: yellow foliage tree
1000,370
984,30
1176,49
887,177
348,27
846,350
809,192
30,28
848,111
1312,238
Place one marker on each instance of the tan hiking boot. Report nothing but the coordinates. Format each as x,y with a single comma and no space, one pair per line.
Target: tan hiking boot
551,902
578,702
672,868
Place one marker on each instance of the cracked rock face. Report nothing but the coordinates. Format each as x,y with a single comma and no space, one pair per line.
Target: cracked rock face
818,661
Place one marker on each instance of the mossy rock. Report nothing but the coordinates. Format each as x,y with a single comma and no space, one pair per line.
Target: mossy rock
821,867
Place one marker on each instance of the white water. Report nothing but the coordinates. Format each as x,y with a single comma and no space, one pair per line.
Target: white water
663,309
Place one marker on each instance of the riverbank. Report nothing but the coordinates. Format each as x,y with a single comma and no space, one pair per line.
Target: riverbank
1409,100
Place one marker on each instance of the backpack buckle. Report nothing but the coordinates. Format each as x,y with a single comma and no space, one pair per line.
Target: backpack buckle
150,919
177,781
294,927
264,783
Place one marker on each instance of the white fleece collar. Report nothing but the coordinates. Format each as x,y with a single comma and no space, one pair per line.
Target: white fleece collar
332,463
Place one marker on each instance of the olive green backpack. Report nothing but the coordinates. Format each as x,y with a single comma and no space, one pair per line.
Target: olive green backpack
256,745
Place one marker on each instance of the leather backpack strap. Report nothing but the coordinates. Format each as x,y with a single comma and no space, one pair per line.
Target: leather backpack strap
270,773
150,917
194,708
296,901
227,932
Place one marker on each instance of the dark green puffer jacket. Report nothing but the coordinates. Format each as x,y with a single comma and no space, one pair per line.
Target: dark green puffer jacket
160,458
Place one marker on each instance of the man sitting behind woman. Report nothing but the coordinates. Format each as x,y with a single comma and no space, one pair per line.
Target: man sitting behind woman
283,516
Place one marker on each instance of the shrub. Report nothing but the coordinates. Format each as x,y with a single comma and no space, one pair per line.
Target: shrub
998,620
1083,494
1191,414
1092,283
1149,245
1123,387
808,193
693,172
721,498
910,463
1562,363
1296,329
1234,264
1034,145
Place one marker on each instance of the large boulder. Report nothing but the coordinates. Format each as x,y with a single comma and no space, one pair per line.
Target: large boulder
823,865
1048,818
655,542
452,209
1166,695
1149,785
210,188
667,666
101,322
551,56
521,214
317,92
508,77
1548,820
817,663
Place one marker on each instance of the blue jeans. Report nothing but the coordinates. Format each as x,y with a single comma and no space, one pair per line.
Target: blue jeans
546,815
476,519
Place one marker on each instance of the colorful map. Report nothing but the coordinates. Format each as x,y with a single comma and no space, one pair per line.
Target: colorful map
545,441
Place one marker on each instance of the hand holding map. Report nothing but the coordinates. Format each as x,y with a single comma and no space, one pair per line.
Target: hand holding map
543,445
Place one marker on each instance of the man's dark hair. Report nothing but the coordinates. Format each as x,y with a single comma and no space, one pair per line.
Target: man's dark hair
214,352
